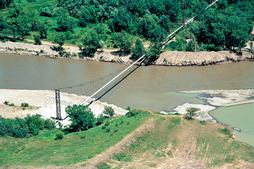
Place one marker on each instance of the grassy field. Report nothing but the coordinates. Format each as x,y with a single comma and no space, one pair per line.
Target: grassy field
43,150
171,142
178,143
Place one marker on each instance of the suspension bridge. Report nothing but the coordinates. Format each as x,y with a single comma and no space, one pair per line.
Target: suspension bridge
115,77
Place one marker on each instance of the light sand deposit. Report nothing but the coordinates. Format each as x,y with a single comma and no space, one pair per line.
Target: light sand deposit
215,98
226,97
202,113
38,98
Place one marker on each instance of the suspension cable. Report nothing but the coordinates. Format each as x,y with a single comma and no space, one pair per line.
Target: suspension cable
143,56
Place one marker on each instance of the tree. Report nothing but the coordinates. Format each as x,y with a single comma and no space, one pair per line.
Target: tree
5,3
154,52
59,39
109,111
89,14
121,20
65,22
91,43
123,40
82,117
238,32
191,112
138,50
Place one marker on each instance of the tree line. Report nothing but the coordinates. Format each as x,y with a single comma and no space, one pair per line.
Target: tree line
94,24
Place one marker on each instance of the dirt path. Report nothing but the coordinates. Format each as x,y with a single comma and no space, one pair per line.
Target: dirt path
119,147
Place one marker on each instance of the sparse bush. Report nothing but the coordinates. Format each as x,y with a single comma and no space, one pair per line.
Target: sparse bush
225,131
24,105
59,135
12,104
203,122
128,108
6,103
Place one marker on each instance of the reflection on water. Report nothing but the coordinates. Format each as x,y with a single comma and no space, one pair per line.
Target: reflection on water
240,116
150,87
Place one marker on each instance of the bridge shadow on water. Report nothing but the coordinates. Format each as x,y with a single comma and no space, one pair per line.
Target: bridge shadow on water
118,82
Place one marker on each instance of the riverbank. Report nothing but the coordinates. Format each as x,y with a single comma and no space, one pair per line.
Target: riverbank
168,58
43,103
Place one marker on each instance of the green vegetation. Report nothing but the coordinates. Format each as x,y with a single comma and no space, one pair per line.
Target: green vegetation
172,136
191,112
24,105
43,149
98,24
59,135
27,127
109,111
81,118
138,50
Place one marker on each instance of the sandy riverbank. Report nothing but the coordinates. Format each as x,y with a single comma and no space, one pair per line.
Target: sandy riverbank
38,98
215,98
225,97
169,58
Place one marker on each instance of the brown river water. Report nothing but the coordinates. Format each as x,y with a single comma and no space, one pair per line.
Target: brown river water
149,87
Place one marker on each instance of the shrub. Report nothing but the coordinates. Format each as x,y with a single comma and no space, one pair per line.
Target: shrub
24,104
203,122
37,120
191,113
20,132
109,111
133,113
59,135
12,104
50,124
225,131
37,40
100,119
6,103
61,53
34,129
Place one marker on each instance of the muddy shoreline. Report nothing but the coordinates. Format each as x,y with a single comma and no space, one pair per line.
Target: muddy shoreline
168,58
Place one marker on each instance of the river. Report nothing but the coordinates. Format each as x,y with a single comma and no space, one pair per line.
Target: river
150,87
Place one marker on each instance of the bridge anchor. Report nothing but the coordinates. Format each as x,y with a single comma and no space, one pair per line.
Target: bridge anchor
58,105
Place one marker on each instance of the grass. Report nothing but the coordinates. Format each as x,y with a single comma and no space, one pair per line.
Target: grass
154,141
43,150
173,134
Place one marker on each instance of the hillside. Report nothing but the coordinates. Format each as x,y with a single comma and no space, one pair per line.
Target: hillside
174,142
144,140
